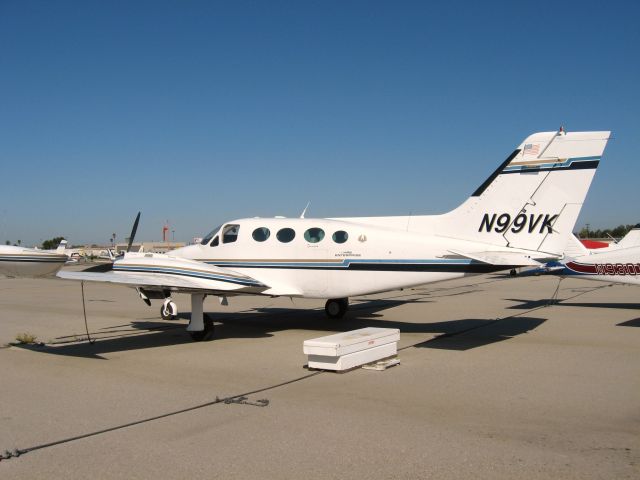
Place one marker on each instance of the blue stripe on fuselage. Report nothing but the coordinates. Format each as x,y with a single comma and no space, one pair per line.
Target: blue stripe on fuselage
381,265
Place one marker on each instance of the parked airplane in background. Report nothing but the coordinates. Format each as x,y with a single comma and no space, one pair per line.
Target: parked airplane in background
522,215
31,262
618,263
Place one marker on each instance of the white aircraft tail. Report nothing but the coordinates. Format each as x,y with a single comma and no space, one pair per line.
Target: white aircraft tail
533,199
61,247
631,239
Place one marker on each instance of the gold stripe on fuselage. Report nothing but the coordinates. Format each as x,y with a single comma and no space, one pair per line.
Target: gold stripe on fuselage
539,161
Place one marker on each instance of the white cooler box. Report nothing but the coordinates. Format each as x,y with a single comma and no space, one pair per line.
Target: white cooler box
347,350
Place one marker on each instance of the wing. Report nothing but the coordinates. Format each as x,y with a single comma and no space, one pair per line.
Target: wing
161,272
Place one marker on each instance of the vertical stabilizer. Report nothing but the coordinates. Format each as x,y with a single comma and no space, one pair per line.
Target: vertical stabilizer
532,201
631,239
61,247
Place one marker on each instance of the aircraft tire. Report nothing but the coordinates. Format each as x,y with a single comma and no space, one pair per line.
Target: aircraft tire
205,334
168,313
336,307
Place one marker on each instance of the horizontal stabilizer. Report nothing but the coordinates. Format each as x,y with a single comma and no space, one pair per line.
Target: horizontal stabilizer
575,248
501,258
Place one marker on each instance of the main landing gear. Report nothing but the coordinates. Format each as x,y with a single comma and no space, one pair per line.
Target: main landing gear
200,328
336,307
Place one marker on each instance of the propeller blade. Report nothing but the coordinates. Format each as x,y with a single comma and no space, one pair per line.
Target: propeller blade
133,232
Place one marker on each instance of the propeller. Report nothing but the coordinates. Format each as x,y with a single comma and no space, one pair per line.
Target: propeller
107,267
133,232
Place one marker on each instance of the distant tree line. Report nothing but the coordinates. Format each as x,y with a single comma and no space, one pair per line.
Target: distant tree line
46,245
51,244
618,232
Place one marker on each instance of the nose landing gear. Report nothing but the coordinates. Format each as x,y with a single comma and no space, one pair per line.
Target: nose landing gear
169,309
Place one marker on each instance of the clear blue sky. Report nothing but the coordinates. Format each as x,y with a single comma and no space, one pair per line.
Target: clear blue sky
201,112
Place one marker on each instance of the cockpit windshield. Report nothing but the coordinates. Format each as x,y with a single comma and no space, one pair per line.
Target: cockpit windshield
210,235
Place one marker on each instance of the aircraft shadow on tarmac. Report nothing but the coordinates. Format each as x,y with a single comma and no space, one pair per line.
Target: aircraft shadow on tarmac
459,334
630,323
484,332
522,304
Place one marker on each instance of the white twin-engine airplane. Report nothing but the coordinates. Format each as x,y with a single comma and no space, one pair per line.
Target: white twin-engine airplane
521,215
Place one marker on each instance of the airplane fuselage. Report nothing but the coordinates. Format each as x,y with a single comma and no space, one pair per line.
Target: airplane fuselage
27,262
332,258
621,265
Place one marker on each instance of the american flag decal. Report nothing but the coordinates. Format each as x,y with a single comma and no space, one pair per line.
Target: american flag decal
531,149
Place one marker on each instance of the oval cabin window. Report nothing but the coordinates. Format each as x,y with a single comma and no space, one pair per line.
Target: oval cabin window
285,235
340,236
314,235
261,234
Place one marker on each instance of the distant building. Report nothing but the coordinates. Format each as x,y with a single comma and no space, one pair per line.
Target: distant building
152,247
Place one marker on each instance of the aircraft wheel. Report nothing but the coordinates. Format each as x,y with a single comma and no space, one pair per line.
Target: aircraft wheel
336,307
205,334
169,310
513,272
